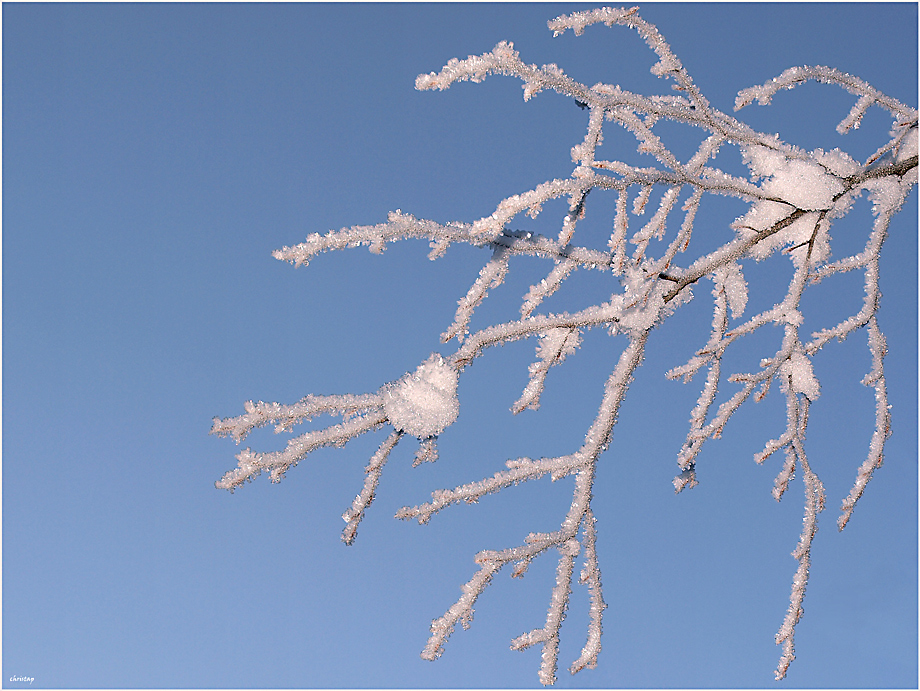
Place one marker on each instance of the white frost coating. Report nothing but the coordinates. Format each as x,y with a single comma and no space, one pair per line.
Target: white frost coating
557,343
736,288
803,376
885,194
475,68
424,403
552,349
763,215
579,20
838,162
795,196
803,184
908,145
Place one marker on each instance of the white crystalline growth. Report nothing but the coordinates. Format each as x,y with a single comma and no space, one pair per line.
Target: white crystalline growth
736,288
425,402
908,145
803,376
557,343
885,194
838,162
810,185
803,184
763,215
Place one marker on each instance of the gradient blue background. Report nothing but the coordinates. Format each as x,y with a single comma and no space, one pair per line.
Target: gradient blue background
153,157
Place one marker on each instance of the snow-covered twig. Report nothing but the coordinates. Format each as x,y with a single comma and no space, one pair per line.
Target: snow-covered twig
795,196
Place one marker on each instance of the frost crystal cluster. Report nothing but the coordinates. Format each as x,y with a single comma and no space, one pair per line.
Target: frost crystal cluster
794,197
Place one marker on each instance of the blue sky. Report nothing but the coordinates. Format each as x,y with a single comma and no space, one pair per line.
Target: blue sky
153,157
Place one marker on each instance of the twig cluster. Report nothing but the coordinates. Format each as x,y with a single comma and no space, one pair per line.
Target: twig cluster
794,197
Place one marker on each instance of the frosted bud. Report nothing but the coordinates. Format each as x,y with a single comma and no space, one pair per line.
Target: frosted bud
803,376
425,402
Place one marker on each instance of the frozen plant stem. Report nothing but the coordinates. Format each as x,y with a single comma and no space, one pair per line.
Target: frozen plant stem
794,196
582,463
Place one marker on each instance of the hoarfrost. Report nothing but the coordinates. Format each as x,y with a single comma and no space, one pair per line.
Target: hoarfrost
794,198
802,376
837,162
424,403
736,288
804,184
908,146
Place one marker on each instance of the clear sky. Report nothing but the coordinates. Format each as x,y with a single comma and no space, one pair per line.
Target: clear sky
153,157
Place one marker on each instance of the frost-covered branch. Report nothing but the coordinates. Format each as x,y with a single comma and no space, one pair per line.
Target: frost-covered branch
794,197
579,516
